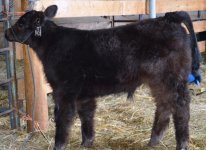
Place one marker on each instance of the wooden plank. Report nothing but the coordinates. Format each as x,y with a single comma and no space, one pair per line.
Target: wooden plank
199,26
163,6
21,89
19,51
24,5
40,104
17,6
81,8
28,88
202,46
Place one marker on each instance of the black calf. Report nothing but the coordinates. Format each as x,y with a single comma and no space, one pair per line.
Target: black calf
81,65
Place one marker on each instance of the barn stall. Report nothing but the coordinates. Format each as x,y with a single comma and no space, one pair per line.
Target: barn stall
119,124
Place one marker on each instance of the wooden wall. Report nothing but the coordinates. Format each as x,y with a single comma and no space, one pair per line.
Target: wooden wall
83,8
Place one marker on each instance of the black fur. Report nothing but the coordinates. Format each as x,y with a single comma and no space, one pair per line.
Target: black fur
183,17
81,65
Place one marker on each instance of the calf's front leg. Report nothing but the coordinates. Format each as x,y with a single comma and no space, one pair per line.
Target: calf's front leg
64,114
86,110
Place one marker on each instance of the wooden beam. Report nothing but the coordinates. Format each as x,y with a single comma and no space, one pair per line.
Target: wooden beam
19,51
202,46
163,6
81,8
17,6
21,89
199,26
40,102
24,5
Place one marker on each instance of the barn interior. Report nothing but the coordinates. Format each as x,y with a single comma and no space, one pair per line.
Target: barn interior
119,124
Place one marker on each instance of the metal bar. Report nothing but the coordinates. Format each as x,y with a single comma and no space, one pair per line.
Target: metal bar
6,112
14,82
112,21
5,49
3,109
13,19
125,20
6,81
199,15
1,9
12,71
152,8
11,68
140,17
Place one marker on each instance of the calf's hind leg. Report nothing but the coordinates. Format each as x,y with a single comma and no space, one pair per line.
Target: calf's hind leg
174,100
181,115
161,120
86,110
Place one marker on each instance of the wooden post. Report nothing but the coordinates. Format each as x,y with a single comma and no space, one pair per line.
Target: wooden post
19,51
24,5
39,104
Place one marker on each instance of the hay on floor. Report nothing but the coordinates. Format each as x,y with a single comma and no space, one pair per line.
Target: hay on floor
119,125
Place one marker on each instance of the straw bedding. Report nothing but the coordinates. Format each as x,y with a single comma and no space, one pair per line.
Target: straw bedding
120,124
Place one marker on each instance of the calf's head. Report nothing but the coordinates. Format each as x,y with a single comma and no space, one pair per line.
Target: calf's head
29,25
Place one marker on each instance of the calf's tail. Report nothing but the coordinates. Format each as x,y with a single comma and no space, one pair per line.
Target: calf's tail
183,17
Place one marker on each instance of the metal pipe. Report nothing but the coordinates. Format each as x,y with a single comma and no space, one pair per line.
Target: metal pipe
1,10
152,8
140,17
5,49
10,97
8,80
199,15
11,70
5,112
112,21
14,83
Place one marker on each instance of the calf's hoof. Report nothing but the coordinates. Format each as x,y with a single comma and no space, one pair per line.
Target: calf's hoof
87,143
60,147
153,143
155,139
183,146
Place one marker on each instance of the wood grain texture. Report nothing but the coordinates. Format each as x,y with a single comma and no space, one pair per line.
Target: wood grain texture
202,46
21,89
40,102
163,6
80,8
19,51
199,26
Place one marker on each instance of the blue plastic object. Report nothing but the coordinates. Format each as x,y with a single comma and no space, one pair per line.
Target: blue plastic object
192,79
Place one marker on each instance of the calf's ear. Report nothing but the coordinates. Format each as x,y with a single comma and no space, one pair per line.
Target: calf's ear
51,11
